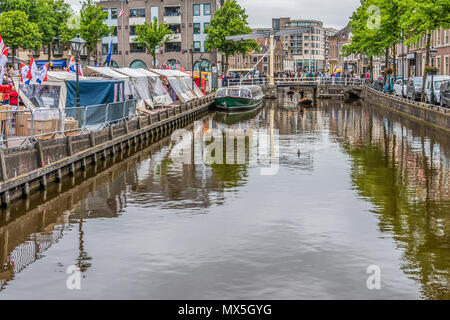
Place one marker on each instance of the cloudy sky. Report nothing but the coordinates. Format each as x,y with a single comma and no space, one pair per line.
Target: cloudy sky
333,13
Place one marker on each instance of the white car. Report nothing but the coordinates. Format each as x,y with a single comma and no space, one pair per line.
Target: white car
437,81
398,87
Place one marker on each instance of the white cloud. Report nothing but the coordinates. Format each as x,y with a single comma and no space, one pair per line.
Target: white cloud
333,13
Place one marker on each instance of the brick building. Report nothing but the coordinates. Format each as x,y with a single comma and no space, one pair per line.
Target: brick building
187,19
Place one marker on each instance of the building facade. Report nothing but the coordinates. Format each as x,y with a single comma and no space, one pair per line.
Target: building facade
307,48
186,47
411,59
327,34
259,59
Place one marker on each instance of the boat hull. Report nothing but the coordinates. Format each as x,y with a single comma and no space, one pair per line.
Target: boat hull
237,103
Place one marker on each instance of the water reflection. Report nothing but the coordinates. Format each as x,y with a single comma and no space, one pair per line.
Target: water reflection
284,237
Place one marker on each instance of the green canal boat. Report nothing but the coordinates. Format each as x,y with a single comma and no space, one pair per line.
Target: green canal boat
239,98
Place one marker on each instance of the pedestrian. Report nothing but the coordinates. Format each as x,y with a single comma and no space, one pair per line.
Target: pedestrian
13,97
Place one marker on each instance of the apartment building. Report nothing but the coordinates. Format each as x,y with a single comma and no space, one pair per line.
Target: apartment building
307,48
186,18
412,58
328,33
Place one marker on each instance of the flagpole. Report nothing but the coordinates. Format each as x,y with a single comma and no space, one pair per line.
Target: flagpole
123,36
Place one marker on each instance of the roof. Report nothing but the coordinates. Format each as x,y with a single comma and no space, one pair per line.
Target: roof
108,72
136,73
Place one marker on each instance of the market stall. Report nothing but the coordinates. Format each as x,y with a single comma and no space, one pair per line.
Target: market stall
147,87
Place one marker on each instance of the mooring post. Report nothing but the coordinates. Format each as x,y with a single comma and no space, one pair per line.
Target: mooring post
3,165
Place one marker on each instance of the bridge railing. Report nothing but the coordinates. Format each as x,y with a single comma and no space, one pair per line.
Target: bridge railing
285,81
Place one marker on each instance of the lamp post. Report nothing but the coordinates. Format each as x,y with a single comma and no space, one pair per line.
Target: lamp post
192,64
77,44
433,52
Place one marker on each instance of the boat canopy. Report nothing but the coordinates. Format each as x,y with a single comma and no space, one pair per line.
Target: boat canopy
250,92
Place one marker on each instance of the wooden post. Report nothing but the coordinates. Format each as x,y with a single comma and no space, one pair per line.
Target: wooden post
3,165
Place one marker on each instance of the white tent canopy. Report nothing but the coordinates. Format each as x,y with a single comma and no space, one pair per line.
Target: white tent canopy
178,84
111,74
186,78
148,86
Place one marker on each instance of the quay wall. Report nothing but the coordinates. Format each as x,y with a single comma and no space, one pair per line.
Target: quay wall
32,166
432,115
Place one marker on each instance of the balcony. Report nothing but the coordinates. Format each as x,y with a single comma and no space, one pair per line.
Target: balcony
175,37
172,19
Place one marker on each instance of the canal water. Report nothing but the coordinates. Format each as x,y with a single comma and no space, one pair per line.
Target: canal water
324,203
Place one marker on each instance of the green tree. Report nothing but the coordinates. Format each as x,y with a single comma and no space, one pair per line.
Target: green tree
30,7
376,28
53,15
18,32
229,20
153,35
92,25
420,19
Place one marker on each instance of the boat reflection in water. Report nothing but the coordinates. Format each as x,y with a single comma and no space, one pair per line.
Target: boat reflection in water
368,187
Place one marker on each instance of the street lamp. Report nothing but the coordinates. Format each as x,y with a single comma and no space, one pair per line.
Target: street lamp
77,44
433,52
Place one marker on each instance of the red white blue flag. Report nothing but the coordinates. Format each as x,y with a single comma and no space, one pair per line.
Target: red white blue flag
73,67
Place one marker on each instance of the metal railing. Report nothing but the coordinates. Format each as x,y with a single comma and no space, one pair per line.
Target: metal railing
27,125
297,81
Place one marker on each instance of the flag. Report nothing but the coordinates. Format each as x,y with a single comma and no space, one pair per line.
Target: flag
2,45
121,13
73,67
108,57
43,73
23,72
4,57
33,71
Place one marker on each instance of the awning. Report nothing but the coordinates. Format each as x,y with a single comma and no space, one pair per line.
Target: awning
56,63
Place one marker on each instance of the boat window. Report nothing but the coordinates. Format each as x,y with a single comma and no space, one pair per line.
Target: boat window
234,92
222,92
245,93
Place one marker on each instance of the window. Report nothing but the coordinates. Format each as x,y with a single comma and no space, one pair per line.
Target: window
113,13
134,47
255,59
172,11
133,31
206,25
265,59
107,13
136,64
197,28
197,46
175,28
173,47
137,13
105,49
196,10
114,31
207,9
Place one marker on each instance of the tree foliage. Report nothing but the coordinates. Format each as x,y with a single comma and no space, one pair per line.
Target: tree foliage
153,35
18,32
92,24
229,20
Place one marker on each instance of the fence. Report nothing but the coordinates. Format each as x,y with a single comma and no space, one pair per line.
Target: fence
27,125
298,81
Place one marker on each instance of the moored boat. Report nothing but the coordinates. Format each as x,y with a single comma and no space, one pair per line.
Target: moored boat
305,102
239,97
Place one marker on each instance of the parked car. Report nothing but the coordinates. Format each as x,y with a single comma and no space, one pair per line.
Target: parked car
445,93
437,81
414,89
400,84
